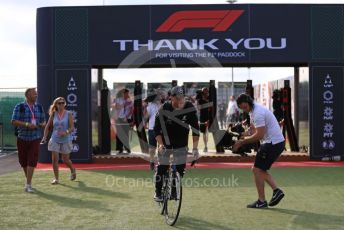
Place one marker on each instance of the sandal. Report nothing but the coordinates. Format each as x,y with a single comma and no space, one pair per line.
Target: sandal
73,174
55,181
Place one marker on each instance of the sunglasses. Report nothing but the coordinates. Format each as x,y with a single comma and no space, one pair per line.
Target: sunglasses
61,103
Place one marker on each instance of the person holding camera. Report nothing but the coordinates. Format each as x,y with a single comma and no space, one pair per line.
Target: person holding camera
203,107
266,130
172,126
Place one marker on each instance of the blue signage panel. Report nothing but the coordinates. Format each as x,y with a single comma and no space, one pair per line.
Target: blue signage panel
116,23
203,35
199,34
74,86
327,112
282,31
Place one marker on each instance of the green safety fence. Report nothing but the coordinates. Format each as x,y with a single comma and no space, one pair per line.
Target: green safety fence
8,99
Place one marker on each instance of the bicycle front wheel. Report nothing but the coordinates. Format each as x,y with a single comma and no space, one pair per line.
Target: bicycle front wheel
173,200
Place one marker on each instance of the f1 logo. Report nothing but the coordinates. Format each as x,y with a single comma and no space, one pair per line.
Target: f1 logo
219,20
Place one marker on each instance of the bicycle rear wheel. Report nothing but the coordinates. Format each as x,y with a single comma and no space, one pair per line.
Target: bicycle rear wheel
173,201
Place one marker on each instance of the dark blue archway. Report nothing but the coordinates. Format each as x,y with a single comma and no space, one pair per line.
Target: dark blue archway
72,40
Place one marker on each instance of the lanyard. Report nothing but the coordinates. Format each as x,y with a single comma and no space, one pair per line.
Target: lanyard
60,117
31,110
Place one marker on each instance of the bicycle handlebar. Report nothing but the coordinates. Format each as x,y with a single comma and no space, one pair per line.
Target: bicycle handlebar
193,162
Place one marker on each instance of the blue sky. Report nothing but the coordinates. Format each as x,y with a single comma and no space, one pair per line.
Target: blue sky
18,44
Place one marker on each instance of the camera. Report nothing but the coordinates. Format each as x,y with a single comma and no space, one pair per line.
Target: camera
236,131
229,137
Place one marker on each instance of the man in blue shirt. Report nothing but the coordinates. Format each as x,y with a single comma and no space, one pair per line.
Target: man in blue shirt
29,119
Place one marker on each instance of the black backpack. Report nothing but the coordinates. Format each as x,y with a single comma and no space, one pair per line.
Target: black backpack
21,111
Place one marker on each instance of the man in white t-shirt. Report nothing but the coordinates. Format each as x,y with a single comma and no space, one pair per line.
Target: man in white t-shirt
266,130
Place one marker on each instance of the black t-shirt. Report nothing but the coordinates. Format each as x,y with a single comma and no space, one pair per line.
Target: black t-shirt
174,125
278,111
204,110
222,109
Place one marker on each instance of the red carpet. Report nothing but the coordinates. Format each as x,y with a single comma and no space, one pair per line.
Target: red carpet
300,164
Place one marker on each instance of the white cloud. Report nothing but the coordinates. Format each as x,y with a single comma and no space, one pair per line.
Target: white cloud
18,64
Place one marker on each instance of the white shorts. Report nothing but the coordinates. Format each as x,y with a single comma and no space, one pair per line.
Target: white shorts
64,148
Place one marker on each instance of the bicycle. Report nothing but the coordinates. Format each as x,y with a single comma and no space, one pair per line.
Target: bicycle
172,194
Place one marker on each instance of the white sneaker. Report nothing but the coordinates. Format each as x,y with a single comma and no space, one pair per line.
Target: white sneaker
28,189
158,198
53,182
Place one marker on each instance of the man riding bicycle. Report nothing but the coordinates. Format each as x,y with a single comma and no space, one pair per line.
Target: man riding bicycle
172,126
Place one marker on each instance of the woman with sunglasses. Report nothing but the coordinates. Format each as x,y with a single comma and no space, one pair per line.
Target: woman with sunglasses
62,125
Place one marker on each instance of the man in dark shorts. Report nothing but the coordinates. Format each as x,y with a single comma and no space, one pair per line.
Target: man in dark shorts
172,127
222,114
203,108
266,130
29,119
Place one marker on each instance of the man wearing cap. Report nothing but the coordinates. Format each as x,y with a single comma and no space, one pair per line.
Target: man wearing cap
172,126
266,130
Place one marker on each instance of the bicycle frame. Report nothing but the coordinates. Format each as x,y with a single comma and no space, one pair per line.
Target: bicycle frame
171,181
171,193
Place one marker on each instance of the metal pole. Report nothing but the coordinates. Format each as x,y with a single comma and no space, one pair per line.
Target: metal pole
100,87
232,87
2,137
296,100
